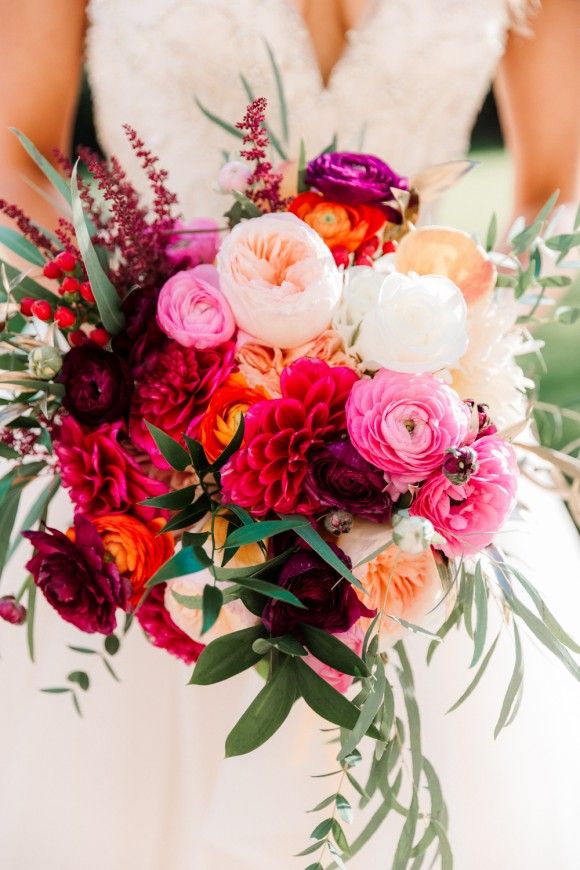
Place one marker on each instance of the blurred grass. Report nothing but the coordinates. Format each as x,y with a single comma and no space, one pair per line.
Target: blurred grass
469,206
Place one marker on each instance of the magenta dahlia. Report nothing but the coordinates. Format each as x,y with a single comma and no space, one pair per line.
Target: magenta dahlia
172,391
267,473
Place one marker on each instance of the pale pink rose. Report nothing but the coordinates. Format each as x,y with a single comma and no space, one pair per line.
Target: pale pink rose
193,311
353,638
197,243
262,365
280,279
469,515
234,175
403,585
448,252
404,423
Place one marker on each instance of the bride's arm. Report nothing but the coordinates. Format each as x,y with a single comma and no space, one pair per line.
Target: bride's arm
538,90
41,46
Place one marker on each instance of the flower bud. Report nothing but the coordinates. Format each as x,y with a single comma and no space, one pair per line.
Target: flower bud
44,362
459,464
11,610
338,522
234,176
412,535
484,422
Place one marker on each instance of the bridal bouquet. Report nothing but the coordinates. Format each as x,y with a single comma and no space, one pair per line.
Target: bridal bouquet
288,444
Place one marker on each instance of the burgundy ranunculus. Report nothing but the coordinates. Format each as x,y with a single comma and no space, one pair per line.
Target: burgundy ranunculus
331,602
161,630
77,579
353,178
11,610
98,385
338,477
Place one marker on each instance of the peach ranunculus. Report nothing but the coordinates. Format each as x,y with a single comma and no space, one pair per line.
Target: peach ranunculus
448,252
234,614
222,418
135,547
280,279
262,366
400,584
339,224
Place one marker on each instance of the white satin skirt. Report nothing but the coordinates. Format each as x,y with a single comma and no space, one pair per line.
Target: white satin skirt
141,783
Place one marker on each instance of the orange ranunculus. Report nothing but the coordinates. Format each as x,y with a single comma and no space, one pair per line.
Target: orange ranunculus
337,223
135,547
223,414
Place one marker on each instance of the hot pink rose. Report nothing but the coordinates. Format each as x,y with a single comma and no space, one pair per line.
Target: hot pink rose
404,423
353,638
469,515
198,243
192,309
100,475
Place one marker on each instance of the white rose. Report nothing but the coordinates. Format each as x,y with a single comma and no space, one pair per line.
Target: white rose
280,279
403,323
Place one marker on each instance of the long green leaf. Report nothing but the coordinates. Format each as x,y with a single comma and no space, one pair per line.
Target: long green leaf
265,714
412,708
9,511
212,601
514,687
405,844
260,531
280,92
544,635
229,128
44,165
35,512
319,545
170,449
226,656
544,612
369,710
323,698
174,500
477,677
480,598
25,287
30,616
21,246
106,296
231,448
270,590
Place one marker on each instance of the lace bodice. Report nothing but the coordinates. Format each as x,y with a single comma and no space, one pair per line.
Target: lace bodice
407,88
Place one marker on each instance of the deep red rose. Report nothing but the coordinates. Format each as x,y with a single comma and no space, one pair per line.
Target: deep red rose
76,578
11,610
331,602
161,631
338,477
98,385
173,389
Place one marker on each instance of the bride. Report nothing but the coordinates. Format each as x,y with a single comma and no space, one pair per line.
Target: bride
140,783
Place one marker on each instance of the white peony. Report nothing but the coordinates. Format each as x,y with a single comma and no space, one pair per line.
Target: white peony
403,323
280,279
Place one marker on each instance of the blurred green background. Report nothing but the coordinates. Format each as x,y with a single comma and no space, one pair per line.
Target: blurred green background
469,206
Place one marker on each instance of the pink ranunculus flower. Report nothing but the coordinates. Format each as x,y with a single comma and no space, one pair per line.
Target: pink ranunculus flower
280,279
193,311
404,423
197,243
234,175
353,638
101,476
469,515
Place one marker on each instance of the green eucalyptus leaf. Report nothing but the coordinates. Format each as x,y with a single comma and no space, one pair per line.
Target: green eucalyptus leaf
30,616
44,165
21,246
412,708
80,678
344,808
491,235
112,644
369,710
215,119
25,286
106,296
280,92
302,186
480,597
266,713
333,652
226,656
514,689
481,670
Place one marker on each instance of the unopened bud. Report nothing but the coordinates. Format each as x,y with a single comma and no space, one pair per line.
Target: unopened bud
338,522
412,535
459,464
11,610
44,362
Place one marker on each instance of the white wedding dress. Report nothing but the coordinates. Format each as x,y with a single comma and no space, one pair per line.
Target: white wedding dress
140,782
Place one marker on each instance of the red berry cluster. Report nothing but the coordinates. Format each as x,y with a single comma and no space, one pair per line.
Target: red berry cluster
80,302
363,256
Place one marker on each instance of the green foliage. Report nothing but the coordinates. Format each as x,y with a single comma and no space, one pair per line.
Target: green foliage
226,656
333,652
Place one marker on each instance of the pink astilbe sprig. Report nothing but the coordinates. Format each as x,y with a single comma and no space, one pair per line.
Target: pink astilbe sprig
28,229
163,198
264,183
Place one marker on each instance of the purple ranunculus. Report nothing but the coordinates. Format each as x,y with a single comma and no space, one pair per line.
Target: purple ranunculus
339,477
98,385
353,178
11,610
77,579
332,603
